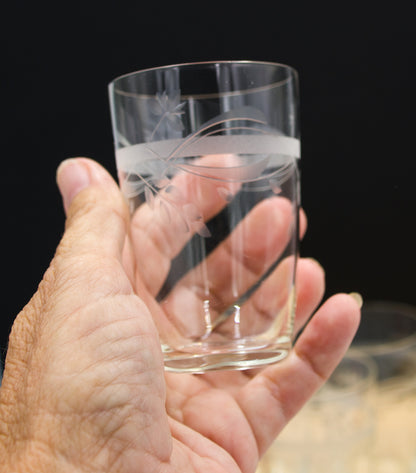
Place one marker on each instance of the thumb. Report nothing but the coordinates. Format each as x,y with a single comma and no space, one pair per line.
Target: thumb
85,269
97,216
89,255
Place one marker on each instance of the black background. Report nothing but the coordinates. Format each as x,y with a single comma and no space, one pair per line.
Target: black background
357,74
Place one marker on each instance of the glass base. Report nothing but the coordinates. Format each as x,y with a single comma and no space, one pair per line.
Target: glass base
181,362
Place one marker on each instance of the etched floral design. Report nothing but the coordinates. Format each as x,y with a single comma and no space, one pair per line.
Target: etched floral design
162,196
152,176
168,109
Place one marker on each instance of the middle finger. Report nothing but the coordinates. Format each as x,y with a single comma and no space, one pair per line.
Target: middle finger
233,269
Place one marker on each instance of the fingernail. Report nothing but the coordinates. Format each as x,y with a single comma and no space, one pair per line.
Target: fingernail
71,176
357,297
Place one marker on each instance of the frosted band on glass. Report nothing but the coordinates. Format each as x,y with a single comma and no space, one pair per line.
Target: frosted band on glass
208,145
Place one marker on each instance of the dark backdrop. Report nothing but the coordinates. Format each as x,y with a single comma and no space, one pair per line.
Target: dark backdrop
357,73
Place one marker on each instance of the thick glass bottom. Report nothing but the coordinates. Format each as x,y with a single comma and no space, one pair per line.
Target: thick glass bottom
181,362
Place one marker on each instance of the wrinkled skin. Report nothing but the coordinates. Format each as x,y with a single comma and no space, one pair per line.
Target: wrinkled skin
84,389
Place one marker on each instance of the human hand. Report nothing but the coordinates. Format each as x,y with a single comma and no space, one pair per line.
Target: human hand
84,387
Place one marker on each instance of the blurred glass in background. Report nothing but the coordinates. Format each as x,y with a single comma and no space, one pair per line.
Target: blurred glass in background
364,419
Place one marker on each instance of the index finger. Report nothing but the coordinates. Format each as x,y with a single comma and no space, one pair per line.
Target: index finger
170,216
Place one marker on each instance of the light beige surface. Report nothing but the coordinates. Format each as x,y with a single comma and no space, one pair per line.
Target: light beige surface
381,440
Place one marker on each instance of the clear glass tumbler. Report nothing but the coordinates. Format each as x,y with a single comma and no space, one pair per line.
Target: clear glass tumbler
388,334
207,159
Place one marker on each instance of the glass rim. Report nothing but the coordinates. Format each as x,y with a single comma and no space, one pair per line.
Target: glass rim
276,65
360,386
393,310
